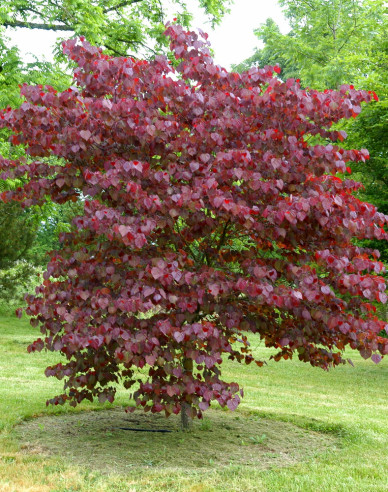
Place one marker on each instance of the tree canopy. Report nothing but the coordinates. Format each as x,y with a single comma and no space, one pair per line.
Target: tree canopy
206,217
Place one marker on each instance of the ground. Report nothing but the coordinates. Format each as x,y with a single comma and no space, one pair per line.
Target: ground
107,441
298,429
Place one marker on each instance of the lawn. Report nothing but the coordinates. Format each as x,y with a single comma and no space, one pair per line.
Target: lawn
298,429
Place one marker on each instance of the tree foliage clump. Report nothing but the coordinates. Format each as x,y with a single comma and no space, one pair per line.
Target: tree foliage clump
16,279
122,26
206,217
18,230
330,43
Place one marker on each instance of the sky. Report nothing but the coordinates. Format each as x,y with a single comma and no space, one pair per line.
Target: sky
233,41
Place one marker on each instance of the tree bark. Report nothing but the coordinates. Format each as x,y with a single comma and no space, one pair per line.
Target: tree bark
186,419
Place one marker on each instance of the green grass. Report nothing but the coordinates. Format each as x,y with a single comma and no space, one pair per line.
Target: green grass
348,405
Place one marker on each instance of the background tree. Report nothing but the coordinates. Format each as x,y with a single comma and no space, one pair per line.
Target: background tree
17,231
122,26
332,42
54,219
194,181
20,228
270,55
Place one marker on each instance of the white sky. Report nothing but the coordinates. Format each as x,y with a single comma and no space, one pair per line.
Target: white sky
233,41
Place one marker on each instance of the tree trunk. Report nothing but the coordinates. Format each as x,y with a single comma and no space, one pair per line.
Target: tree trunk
186,420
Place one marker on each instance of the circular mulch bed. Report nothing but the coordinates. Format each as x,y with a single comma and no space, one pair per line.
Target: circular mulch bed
100,440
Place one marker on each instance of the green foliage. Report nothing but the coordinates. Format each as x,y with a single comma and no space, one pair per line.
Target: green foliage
123,27
270,54
15,280
17,231
20,228
55,219
370,130
14,72
332,42
10,75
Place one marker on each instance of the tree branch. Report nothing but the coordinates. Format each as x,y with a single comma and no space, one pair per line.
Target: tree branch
349,35
37,25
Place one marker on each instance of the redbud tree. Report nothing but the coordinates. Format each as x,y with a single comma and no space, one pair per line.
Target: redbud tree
212,209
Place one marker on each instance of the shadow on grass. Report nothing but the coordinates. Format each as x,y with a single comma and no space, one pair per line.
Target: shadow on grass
96,440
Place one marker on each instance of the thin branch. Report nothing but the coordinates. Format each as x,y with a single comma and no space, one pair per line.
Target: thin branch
161,16
147,48
310,5
133,42
332,29
309,55
121,4
348,37
30,9
223,236
114,50
186,244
